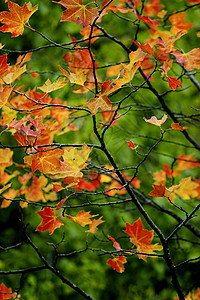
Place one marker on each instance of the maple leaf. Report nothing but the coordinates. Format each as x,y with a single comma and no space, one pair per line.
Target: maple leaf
82,218
4,67
60,204
177,126
17,17
49,87
185,163
136,58
50,222
75,10
94,224
4,95
159,191
146,47
117,263
148,21
178,22
155,121
6,293
45,162
141,238
34,192
76,159
101,101
187,188
173,82
78,76
190,60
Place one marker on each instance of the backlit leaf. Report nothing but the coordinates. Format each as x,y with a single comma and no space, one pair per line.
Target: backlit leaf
141,238
77,10
190,60
50,222
49,87
82,218
117,263
155,121
17,17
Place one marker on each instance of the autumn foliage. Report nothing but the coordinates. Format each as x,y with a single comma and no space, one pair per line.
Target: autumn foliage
100,141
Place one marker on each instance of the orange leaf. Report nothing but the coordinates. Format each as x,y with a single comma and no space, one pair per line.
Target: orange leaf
4,95
136,58
17,17
46,162
101,102
82,218
178,22
153,7
177,126
57,187
148,21
190,60
173,82
50,222
75,10
146,47
5,187
117,263
141,238
60,204
159,191
155,121
187,188
94,224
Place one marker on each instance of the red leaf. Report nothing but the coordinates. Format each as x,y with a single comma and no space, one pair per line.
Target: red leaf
60,204
131,145
159,191
138,234
50,222
6,293
141,238
173,82
117,263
